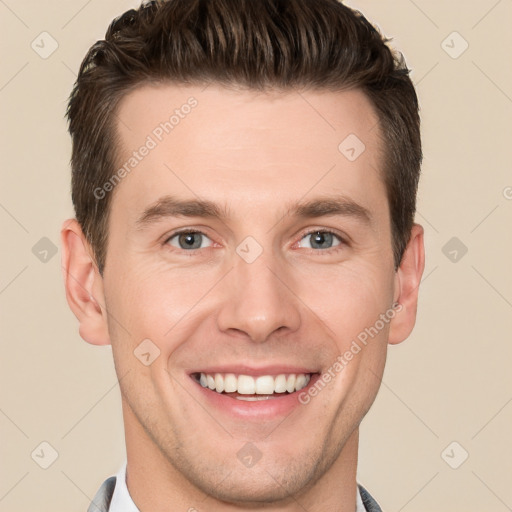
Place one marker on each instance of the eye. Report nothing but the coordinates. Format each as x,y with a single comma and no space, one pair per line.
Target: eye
189,240
320,240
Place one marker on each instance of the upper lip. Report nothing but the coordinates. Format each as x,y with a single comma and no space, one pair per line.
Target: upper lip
244,369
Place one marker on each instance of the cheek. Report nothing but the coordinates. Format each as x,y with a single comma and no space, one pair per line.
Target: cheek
154,304
151,300
349,299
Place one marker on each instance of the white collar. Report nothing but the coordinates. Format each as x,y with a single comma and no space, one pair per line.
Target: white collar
359,502
122,501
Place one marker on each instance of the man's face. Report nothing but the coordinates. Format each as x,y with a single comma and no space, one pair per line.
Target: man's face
296,266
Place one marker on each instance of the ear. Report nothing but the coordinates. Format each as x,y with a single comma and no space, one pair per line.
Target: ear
407,282
84,284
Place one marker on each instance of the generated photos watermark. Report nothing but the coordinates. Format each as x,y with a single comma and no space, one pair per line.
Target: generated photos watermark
343,359
152,140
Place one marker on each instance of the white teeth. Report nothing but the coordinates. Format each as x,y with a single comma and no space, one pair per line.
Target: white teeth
248,385
219,383
264,385
290,383
252,398
230,382
300,382
280,383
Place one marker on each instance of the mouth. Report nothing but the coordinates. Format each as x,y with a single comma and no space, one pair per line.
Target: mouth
246,393
253,388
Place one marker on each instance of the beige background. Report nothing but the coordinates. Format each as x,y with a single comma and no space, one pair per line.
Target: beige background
450,381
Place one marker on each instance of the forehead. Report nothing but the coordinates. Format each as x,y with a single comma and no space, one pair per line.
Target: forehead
224,144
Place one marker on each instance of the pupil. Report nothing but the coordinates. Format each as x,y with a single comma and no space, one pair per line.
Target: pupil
190,241
320,239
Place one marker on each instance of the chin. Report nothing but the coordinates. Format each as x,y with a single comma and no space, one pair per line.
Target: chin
256,486
271,479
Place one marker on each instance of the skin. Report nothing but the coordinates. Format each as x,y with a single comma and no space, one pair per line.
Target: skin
256,155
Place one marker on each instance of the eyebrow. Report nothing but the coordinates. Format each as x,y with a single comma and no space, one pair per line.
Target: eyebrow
169,206
331,206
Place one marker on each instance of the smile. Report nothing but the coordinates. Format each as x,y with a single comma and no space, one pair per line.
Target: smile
249,388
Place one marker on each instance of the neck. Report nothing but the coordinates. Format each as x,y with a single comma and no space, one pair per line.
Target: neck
156,485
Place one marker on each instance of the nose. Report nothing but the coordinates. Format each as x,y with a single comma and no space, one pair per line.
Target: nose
258,301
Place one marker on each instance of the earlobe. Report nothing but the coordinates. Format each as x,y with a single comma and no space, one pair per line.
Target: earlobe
83,284
407,282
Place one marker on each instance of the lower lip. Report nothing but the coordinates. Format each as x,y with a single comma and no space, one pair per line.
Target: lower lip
282,405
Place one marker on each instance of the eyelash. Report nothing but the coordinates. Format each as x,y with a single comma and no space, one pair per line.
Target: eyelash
192,252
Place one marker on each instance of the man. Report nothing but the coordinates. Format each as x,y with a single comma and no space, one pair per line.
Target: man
244,180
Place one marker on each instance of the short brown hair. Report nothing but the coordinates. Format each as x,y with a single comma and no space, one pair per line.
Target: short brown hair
258,44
